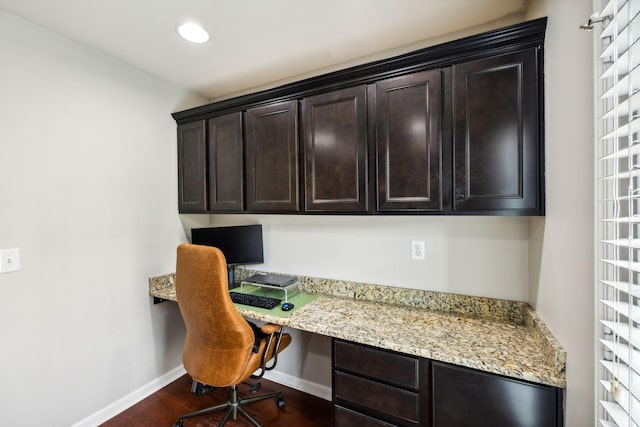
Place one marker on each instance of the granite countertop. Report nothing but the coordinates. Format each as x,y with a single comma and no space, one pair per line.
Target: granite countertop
497,336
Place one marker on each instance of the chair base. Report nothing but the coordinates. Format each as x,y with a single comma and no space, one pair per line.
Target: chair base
234,406
200,389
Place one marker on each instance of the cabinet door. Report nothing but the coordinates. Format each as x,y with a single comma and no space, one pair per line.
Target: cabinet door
465,397
409,142
192,191
225,183
335,144
272,158
497,155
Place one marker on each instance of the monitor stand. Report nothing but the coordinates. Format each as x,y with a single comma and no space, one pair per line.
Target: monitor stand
231,276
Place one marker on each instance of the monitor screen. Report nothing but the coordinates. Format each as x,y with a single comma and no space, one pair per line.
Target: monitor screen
241,244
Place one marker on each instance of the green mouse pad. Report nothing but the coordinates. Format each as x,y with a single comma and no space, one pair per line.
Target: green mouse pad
297,298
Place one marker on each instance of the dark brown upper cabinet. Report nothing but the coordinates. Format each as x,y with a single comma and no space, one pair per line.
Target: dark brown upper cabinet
335,151
409,142
225,164
453,129
496,141
271,158
192,158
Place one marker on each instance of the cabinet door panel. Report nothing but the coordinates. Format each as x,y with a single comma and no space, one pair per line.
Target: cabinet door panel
463,397
335,126
272,158
192,191
225,163
409,142
495,131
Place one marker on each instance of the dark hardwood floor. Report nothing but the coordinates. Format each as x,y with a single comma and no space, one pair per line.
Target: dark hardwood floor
164,406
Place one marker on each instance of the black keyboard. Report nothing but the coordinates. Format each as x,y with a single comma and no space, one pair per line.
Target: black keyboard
254,300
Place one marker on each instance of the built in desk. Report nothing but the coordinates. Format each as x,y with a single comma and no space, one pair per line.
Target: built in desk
501,337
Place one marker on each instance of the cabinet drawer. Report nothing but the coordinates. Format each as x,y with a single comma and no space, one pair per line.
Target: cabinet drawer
391,368
393,402
344,417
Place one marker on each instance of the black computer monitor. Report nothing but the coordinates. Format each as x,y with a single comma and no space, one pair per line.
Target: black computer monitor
240,244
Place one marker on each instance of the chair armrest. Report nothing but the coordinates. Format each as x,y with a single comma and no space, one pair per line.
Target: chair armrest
272,347
270,328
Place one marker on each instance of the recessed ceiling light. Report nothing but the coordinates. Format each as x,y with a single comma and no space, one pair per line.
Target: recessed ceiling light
193,32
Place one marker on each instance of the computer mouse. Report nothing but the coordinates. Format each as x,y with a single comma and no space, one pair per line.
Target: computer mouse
286,306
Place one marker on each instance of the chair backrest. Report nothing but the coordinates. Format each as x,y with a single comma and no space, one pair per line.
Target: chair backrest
219,340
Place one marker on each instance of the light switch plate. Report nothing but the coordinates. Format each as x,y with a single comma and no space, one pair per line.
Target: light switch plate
9,260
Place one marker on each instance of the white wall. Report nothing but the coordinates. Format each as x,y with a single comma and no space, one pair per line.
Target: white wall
88,194
562,281
461,252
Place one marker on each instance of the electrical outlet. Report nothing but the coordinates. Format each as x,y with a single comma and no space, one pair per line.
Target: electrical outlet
9,260
417,249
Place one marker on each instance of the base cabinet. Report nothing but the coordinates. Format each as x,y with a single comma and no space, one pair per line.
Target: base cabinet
464,397
377,388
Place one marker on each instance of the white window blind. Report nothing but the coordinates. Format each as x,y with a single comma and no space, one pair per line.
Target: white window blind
618,214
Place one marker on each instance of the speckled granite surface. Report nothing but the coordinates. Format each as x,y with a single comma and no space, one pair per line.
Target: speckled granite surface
497,336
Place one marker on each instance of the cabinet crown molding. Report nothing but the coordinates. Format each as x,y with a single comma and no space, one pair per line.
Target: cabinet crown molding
526,34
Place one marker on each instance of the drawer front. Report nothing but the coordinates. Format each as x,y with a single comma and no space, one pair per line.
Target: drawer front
344,417
390,402
391,368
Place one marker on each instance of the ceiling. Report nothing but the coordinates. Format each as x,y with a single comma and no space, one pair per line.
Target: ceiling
254,42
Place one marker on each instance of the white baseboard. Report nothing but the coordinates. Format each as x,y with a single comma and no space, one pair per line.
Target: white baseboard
315,389
131,399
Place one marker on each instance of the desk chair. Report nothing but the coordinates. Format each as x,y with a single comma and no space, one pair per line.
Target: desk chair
220,348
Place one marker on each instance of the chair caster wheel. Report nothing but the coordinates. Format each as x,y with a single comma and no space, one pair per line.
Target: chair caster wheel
254,387
178,424
280,402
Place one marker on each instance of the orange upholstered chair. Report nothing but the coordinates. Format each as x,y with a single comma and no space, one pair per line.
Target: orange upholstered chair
220,348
